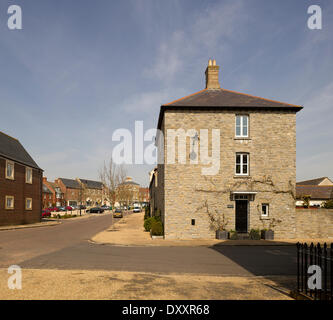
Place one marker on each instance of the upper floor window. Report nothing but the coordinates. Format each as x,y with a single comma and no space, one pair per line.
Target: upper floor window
10,170
242,126
242,164
28,175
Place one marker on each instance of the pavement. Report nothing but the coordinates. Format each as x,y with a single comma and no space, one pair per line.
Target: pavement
62,262
130,232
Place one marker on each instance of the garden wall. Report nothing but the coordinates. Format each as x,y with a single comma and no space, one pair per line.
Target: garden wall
314,223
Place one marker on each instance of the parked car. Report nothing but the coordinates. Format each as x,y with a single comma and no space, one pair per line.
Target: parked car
53,209
95,210
69,208
105,207
118,213
136,209
62,209
46,213
82,206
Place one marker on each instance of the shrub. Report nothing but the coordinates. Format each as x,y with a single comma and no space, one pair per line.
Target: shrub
233,235
328,204
254,234
147,213
157,228
147,223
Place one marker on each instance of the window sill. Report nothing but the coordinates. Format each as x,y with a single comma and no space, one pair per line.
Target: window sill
242,176
264,218
242,138
9,178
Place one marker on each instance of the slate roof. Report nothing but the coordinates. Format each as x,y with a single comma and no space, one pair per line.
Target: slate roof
70,183
224,99
46,189
313,181
315,192
91,184
12,149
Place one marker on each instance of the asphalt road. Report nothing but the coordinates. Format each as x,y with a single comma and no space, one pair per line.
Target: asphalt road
67,246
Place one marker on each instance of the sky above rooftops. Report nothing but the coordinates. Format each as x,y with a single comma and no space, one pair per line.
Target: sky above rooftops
81,69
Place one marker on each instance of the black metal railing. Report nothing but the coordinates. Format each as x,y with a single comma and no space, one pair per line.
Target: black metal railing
315,256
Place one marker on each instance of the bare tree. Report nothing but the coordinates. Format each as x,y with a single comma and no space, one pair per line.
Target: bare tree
112,175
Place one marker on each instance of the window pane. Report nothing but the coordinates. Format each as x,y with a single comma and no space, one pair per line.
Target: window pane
238,159
9,170
238,120
238,131
245,169
245,158
245,131
244,120
238,169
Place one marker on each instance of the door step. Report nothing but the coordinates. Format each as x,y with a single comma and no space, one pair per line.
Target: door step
243,236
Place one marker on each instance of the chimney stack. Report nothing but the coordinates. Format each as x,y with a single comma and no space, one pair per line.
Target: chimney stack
212,75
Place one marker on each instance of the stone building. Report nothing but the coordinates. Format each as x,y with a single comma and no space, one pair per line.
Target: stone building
226,154
127,193
20,184
92,192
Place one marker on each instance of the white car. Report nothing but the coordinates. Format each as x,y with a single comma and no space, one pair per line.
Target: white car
136,209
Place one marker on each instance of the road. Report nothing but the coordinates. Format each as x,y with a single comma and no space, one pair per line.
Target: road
67,246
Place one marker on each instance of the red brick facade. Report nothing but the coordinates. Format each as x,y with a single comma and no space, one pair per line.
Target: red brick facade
20,190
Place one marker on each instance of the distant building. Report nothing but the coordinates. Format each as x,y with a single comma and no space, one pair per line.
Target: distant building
20,184
93,192
71,189
127,193
58,198
47,198
319,190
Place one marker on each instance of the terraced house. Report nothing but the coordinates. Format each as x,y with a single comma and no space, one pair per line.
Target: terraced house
249,141
20,184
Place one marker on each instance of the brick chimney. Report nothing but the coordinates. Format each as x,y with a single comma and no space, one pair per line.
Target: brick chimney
212,75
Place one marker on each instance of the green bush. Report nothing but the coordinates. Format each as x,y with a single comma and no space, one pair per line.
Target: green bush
233,235
147,223
328,204
254,234
157,228
147,213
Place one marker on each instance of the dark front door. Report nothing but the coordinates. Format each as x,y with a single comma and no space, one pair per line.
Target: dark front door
241,215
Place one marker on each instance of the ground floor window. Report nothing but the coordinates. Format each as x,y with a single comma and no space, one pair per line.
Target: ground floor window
9,202
265,210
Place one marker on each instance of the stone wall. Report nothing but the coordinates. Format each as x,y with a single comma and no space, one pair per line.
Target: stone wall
187,192
314,223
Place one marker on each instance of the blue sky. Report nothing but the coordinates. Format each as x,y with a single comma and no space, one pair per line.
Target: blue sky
81,69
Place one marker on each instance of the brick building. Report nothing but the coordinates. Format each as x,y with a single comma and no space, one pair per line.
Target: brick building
20,184
58,198
245,169
71,190
47,198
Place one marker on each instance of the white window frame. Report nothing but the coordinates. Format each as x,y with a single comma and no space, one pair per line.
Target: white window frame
26,204
267,210
241,154
26,175
13,171
6,202
242,116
